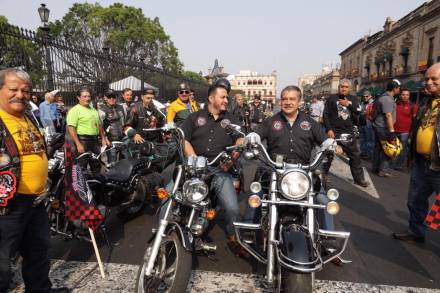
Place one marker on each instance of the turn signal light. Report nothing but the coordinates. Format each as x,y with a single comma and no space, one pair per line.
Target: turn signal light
333,208
254,201
210,215
162,193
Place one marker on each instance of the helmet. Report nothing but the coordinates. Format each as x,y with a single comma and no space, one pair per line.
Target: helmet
392,150
224,83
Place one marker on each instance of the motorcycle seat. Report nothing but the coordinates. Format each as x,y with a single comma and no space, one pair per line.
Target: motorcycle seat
123,170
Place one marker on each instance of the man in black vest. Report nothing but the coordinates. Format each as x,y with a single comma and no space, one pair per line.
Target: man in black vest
24,225
340,115
113,119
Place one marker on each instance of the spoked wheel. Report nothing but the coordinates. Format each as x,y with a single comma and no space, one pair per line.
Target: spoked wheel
171,271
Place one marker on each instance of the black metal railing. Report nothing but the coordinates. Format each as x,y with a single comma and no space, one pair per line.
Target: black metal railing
59,64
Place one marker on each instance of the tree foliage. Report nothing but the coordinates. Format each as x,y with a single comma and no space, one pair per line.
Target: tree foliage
194,76
122,29
21,52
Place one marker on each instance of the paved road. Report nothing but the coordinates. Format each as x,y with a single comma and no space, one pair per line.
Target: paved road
377,258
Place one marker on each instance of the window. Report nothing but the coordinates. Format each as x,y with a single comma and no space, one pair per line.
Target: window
431,51
270,93
270,84
255,81
260,82
249,81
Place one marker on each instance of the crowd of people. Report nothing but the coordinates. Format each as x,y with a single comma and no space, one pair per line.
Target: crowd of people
389,131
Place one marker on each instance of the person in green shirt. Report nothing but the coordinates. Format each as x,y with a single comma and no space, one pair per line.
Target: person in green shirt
84,125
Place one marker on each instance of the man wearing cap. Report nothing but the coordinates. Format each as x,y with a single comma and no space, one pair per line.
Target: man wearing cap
113,119
48,111
424,159
366,133
181,107
384,118
143,115
256,109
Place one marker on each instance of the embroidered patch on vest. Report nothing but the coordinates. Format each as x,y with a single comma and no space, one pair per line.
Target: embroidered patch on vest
201,121
277,125
305,125
8,187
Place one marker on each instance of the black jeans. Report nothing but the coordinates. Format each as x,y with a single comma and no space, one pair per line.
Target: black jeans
25,230
90,144
354,155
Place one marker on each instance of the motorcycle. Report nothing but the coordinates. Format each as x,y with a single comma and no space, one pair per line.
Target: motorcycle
121,185
289,240
183,219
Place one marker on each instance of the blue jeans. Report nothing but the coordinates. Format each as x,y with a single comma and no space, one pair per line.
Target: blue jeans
222,188
381,162
423,183
366,133
400,160
25,230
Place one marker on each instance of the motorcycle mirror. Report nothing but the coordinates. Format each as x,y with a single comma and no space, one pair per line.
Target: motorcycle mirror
253,138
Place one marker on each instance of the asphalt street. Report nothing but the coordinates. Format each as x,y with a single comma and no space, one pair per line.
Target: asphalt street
376,257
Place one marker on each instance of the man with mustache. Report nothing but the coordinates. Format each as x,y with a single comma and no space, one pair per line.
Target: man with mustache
24,225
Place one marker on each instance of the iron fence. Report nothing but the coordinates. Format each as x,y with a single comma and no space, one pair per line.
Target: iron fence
60,64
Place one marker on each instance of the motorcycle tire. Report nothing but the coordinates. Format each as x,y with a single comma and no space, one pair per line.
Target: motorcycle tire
296,282
136,206
182,270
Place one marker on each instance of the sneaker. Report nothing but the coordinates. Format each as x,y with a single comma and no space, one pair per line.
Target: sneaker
384,174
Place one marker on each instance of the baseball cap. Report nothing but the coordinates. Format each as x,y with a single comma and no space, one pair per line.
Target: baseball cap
393,84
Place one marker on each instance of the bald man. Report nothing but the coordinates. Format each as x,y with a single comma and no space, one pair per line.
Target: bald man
424,157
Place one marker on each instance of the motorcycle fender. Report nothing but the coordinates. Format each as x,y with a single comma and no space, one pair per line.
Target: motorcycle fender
185,236
297,244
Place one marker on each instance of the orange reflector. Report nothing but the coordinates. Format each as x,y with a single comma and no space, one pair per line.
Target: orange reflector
254,201
55,204
162,193
210,214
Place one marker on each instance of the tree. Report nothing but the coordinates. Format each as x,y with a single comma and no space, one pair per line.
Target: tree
125,30
18,50
194,76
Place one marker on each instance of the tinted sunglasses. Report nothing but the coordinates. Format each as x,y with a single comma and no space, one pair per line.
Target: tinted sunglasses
184,92
111,98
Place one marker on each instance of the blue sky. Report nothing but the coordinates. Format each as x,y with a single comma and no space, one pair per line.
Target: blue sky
291,36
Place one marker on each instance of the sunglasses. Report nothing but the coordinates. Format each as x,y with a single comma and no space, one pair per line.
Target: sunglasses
366,96
111,98
184,92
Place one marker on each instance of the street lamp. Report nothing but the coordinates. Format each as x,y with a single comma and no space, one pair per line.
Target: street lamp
43,11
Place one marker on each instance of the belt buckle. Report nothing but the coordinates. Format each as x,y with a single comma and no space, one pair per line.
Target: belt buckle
4,211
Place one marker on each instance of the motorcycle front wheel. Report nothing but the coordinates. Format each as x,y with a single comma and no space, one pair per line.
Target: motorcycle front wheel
171,271
297,283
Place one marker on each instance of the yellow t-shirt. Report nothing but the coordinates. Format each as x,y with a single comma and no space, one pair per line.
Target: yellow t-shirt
425,133
33,159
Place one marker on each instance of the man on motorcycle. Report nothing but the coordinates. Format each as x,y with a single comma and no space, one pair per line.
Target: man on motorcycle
292,135
242,112
143,115
207,134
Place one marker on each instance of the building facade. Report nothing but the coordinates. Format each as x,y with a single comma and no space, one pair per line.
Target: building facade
252,83
404,49
326,84
215,73
305,81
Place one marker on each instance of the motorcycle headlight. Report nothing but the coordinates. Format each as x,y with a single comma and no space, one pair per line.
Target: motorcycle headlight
195,190
295,185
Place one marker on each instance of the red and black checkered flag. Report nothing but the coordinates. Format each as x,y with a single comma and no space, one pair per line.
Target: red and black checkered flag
79,201
433,217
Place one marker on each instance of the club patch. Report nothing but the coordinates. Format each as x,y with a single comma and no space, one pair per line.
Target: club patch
8,187
305,125
277,125
201,121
